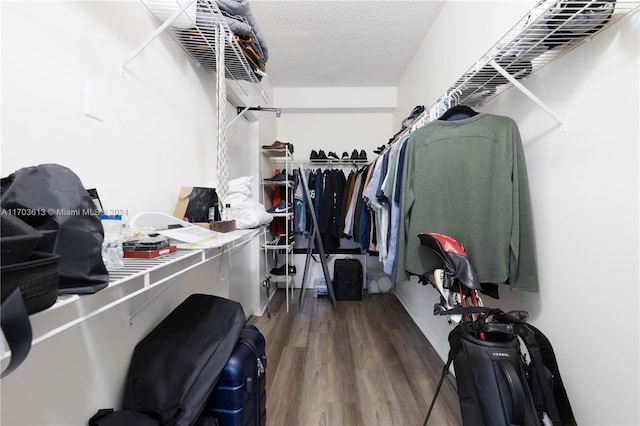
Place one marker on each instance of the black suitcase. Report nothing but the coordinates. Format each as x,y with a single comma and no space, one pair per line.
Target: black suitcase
240,396
347,279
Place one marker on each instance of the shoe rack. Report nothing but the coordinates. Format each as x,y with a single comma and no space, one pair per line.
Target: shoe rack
277,197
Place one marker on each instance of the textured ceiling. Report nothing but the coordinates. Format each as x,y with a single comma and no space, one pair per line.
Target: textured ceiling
316,43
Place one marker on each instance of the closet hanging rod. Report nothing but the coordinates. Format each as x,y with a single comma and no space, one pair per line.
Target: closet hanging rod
258,108
242,110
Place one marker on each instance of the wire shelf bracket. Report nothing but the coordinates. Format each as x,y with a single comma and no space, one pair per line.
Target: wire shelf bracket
528,93
186,5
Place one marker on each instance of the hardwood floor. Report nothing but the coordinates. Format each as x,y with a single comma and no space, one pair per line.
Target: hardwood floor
365,364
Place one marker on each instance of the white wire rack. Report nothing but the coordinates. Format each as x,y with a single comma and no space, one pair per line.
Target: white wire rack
550,30
138,277
202,31
193,23
281,158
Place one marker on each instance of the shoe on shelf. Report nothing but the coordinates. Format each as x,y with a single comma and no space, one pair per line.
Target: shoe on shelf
314,155
279,145
281,208
280,177
332,156
363,155
282,270
413,115
322,156
354,155
281,240
380,149
345,156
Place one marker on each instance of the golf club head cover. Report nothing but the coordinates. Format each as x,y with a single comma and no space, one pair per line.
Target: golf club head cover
456,264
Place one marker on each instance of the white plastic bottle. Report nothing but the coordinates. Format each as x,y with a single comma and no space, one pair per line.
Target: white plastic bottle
112,252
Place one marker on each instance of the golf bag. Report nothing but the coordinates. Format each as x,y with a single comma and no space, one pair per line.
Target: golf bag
506,371
501,382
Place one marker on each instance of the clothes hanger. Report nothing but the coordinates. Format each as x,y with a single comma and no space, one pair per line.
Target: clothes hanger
458,112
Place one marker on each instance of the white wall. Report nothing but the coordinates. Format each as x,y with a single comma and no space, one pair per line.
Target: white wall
158,128
157,132
338,132
584,188
335,119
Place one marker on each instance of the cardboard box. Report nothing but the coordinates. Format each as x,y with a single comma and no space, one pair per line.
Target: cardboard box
224,225
148,254
221,226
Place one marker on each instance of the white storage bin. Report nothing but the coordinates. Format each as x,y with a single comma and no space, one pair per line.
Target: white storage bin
320,287
379,282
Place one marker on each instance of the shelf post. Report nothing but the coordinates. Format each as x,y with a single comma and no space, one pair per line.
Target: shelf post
221,95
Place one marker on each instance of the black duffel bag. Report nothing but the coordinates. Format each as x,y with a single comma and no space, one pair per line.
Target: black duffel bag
174,369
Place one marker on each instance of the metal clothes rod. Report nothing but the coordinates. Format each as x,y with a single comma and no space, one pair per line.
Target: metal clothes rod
242,110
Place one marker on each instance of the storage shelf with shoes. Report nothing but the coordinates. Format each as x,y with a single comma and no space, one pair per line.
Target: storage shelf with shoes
281,242
278,149
278,184
284,270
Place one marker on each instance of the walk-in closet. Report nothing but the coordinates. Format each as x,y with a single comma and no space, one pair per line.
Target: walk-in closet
383,180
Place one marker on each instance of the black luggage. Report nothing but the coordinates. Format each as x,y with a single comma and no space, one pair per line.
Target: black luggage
175,367
239,398
347,279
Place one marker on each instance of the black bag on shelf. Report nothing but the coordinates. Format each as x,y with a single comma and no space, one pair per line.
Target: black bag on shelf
16,326
29,282
347,279
52,199
196,203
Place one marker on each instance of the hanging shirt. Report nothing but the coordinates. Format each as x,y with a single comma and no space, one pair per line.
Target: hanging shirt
334,181
348,219
346,200
467,179
390,264
300,206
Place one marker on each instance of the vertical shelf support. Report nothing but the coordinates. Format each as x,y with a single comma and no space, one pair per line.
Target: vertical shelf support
221,95
527,92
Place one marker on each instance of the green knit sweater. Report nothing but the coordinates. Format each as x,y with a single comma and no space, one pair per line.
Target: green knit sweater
468,179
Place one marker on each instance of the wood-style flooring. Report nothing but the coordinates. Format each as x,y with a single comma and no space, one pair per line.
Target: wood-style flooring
365,364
